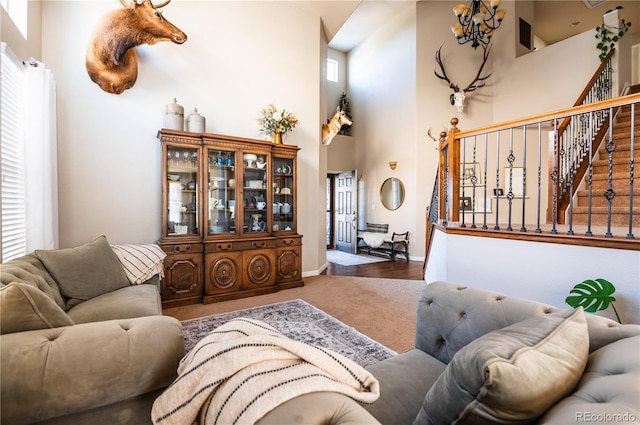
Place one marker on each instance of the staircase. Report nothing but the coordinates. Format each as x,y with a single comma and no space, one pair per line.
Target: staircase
620,176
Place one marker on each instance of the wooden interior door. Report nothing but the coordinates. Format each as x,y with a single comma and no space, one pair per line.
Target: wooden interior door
346,212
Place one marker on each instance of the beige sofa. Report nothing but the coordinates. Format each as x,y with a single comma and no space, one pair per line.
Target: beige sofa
482,358
485,358
80,344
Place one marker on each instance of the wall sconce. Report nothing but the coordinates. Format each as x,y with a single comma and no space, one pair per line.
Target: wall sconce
392,164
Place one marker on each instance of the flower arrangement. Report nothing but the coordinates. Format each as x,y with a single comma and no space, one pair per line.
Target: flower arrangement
273,121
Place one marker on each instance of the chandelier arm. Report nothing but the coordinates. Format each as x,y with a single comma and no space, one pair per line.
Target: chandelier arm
478,33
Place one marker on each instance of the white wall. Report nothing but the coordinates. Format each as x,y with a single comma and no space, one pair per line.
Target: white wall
109,157
382,86
539,271
335,88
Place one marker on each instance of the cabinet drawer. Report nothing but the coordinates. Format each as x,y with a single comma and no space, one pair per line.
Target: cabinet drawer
182,248
290,241
240,245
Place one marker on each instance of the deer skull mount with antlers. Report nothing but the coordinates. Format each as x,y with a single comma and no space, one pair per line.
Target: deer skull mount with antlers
457,97
111,58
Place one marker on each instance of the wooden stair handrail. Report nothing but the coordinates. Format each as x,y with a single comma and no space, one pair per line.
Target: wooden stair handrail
449,161
549,116
565,123
563,202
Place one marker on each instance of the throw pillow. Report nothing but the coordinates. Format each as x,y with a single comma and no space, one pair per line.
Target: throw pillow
86,271
511,375
26,308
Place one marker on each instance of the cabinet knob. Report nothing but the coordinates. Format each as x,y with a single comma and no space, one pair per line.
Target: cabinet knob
182,248
224,247
260,244
287,241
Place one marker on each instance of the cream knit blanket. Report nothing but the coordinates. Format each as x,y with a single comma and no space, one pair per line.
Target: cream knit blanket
245,368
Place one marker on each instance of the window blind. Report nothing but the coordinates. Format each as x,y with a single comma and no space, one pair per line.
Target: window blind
12,157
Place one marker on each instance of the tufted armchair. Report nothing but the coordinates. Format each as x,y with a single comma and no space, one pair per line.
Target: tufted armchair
451,317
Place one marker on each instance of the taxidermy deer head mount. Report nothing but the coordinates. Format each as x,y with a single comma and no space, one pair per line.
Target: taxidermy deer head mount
111,58
457,97
330,130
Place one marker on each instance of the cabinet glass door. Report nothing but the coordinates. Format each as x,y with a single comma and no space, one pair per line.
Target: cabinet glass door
255,167
283,194
221,192
182,190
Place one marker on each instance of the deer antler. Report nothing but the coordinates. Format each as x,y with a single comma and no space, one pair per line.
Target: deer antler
444,73
472,86
430,136
161,5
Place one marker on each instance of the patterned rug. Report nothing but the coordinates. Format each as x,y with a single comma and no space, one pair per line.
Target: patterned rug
299,321
347,259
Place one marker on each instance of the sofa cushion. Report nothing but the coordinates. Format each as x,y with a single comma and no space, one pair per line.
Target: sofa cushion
26,308
124,303
609,390
55,372
319,408
86,271
512,375
404,380
30,270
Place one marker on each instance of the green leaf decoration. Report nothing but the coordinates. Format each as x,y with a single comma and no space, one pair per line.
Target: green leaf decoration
592,295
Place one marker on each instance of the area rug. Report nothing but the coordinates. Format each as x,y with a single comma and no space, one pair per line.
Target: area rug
299,321
346,259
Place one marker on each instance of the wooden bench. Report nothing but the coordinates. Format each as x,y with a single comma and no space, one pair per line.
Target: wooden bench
376,238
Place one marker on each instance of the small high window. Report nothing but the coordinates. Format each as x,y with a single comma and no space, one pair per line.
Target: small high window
332,70
17,11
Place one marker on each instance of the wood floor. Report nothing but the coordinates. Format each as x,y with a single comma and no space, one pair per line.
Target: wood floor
399,269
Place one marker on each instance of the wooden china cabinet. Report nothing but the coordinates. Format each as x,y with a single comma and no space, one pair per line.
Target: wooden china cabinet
229,217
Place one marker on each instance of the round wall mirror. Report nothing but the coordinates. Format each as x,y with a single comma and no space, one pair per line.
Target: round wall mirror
392,193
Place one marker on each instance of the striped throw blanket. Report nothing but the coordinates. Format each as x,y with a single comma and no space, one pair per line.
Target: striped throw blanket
245,368
140,262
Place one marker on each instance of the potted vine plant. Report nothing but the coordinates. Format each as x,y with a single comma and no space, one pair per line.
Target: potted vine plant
593,295
345,105
609,35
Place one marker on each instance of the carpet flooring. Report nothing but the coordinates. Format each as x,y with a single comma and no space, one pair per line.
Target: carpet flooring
299,321
347,259
382,309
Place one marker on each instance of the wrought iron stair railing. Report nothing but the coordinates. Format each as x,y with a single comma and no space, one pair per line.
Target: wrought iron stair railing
578,138
494,178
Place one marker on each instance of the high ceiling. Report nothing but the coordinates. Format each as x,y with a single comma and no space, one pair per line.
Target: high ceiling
348,22
557,20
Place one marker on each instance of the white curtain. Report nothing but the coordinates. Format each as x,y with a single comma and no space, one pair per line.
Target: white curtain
41,170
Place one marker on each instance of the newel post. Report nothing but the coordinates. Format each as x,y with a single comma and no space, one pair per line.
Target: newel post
449,199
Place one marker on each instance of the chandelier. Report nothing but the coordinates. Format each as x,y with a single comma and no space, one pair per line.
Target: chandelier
477,22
